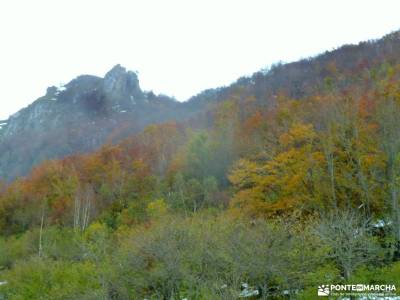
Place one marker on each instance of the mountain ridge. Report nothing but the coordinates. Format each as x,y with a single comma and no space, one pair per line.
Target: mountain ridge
89,111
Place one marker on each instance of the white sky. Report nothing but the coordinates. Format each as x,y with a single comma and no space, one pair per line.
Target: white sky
179,47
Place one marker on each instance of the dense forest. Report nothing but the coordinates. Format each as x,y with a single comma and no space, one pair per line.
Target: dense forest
266,193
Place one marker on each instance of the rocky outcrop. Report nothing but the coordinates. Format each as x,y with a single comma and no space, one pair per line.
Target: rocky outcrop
80,117
120,81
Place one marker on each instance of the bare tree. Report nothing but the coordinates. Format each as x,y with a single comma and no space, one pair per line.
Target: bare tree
83,206
347,235
41,234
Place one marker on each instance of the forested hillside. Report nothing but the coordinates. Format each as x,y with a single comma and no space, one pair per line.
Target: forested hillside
284,181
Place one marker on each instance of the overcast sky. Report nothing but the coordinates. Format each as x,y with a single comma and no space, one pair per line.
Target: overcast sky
179,47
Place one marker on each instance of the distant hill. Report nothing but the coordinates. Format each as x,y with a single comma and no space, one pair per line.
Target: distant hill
90,111
80,117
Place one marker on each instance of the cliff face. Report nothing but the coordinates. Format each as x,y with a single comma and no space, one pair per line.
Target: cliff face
80,117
